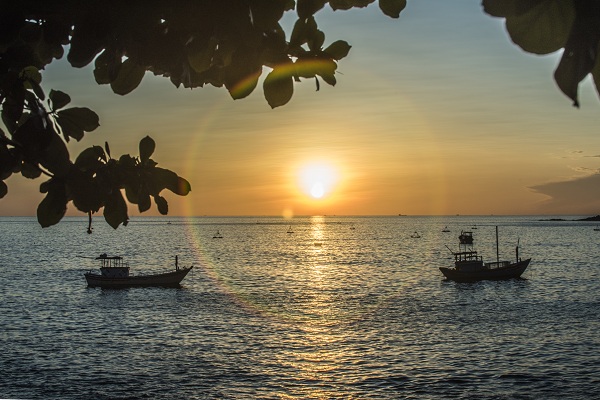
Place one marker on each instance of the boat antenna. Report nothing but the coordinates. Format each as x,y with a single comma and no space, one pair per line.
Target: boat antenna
497,247
517,249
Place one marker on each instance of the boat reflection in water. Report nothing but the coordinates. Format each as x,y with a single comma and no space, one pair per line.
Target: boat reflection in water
114,273
469,266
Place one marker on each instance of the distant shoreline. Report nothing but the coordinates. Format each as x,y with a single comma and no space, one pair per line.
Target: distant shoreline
595,218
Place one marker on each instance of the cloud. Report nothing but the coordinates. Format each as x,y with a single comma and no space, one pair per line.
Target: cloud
575,196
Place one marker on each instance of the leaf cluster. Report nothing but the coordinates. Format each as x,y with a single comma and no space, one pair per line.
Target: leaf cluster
546,26
223,43
35,145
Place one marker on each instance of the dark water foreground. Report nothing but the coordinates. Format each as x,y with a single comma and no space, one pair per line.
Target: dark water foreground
345,308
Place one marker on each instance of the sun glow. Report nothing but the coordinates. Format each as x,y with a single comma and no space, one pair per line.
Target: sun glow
317,180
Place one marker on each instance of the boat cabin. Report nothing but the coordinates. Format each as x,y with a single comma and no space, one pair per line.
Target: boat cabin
468,261
465,237
113,266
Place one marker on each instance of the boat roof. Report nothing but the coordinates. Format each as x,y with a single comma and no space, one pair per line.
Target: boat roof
466,253
107,257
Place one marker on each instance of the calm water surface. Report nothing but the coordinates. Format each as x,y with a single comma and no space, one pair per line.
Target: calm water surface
344,308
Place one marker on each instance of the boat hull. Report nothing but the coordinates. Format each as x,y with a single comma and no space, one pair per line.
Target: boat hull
168,279
496,274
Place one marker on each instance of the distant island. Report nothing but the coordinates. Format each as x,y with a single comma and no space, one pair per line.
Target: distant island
596,218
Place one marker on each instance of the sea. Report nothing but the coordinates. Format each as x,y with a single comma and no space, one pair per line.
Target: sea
320,307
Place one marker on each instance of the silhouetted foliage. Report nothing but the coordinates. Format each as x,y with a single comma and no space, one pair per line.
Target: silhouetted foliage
193,43
545,26
223,43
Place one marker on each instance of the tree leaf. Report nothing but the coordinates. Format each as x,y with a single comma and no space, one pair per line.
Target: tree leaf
509,8
392,8
130,76
596,74
348,4
91,158
91,32
169,180
162,205
85,193
3,189
30,171
298,36
278,87
147,146
316,40
54,206
338,49
200,54
106,67
544,28
329,78
59,99
77,120
144,201
580,55
307,8
55,157
115,210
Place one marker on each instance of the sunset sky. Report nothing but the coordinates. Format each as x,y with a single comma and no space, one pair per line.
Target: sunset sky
435,113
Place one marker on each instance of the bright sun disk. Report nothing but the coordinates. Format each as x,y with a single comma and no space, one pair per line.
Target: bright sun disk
317,180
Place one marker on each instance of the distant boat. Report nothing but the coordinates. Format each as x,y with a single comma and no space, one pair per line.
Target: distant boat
415,235
290,230
469,267
474,227
465,237
446,229
597,229
114,273
218,235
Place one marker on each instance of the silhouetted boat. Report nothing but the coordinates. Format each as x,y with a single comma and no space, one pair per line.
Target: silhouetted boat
446,229
114,273
290,230
218,235
415,235
469,267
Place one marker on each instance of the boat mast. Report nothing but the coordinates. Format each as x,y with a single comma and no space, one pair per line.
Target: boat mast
497,247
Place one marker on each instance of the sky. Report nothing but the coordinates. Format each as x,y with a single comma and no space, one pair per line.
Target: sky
434,113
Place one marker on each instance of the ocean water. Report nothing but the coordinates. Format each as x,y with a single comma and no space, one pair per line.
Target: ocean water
342,308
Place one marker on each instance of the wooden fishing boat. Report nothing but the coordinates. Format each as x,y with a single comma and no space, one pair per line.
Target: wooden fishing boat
470,267
114,273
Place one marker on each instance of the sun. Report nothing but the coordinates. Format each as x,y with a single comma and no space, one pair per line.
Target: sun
317,180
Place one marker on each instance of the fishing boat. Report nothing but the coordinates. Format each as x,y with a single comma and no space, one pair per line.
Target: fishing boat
218,235
465,237
470,267
415,235
114,273
290,230
446,229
